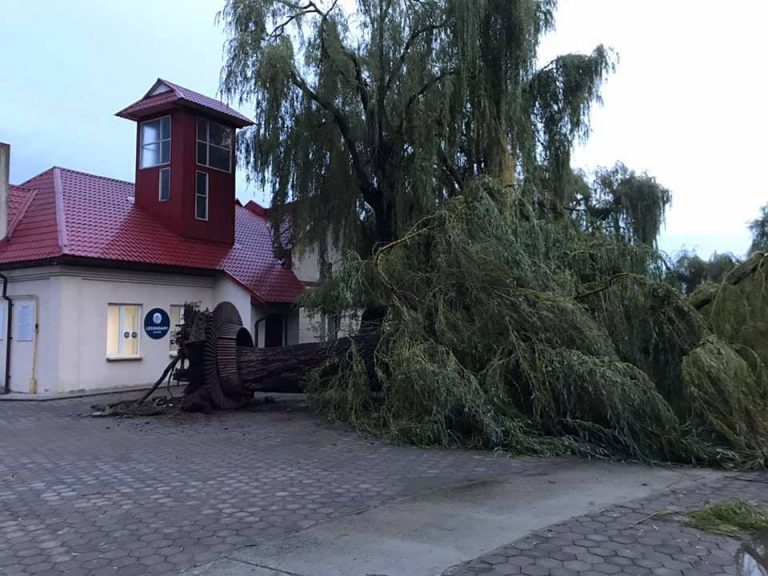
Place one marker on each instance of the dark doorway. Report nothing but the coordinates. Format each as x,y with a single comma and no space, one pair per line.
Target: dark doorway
274,325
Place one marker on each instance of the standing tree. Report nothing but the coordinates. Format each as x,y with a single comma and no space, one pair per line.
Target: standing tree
759,229
689,271
372,113
628,205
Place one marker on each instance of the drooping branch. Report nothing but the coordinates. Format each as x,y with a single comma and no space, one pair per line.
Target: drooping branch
308,8
369,190
432,82
398,68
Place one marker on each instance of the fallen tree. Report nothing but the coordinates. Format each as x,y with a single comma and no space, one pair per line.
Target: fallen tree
531,335
524,334
225,370
736,309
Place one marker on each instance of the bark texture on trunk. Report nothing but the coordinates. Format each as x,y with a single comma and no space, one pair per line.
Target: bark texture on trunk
225,370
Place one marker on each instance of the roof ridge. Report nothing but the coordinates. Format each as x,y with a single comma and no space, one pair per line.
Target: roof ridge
32,192
61,222
175,87
35,177
100,177
182,91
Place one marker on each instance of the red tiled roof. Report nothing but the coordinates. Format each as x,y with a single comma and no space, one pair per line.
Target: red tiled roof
176,94
62,213
257,208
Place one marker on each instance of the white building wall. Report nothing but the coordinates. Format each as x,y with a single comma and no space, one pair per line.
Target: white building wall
86,295
85,299
71,303
306,266
34,362
308,328
258,313
226,290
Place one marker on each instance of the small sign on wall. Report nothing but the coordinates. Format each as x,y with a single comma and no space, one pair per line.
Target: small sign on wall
25,321
157,323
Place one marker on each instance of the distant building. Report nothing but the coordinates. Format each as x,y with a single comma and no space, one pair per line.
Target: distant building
95,271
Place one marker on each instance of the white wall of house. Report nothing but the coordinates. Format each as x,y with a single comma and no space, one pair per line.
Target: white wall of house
306,265
70,307
258,313
86,295
226,290
303,327
35,330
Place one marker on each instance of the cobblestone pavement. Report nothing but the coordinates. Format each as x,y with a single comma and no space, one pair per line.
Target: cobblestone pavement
153,496
81,496
632,539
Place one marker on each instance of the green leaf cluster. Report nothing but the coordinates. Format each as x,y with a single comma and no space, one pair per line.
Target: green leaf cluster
533,335
370,117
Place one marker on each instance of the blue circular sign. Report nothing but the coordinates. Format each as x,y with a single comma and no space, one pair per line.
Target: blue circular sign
157,323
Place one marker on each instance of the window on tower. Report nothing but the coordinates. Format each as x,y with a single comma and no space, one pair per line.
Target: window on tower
201,196
156,142
214,145
165,184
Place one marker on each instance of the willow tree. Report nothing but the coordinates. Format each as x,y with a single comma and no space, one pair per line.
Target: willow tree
759,229
621,202
370,114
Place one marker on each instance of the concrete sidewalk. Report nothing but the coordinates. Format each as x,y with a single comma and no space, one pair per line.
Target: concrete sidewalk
425,534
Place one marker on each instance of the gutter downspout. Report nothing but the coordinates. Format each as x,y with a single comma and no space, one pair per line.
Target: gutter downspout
9,324
33,378
5,167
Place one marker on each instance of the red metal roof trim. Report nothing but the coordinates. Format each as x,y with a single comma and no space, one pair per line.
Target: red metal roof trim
19,199
181,95
257,209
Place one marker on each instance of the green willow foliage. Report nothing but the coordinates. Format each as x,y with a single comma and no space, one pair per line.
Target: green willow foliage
420,137
689,272
373,117
736,307
531,335
759,229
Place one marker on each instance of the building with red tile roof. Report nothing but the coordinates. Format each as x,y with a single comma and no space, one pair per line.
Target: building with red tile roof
88,263
67,217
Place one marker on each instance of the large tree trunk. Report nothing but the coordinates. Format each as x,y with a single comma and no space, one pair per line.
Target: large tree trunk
283,369
225,370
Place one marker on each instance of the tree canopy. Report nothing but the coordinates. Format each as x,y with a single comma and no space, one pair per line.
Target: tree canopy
689,271
759,229
523,307
369,115
621,202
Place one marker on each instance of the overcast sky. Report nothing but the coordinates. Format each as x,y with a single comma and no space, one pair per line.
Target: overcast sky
686,103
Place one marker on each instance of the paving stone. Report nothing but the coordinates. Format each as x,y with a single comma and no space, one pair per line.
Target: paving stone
158,496
135,497
616,542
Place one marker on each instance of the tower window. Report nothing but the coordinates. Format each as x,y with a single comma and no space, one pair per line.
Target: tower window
165,184
201,196
214,145
156,142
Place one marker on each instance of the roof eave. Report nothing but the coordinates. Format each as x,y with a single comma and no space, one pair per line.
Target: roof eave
89,262
138,115
236,121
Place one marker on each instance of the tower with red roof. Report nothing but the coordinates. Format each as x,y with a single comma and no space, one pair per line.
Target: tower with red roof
95,271
185,160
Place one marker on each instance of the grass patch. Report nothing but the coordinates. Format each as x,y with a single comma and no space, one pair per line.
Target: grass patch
731,518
